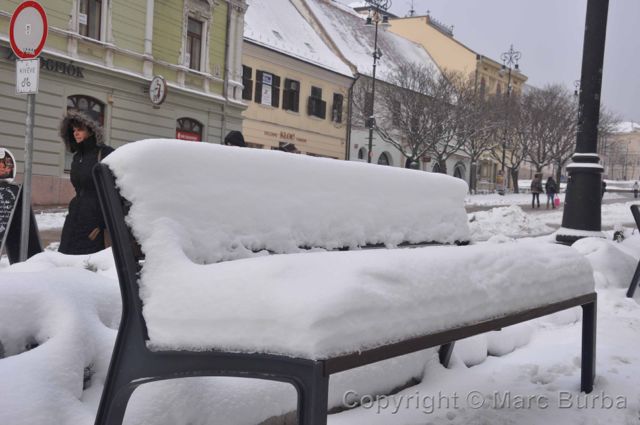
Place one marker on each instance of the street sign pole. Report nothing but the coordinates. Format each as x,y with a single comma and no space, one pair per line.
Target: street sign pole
26,184
27,35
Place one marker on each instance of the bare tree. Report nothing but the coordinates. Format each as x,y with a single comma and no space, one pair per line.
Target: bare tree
478,128
549,113
421,113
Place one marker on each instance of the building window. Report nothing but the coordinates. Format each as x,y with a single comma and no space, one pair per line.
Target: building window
188,129
316,106
247,82
291,95
92,107
483,87
336,108
458,171
362,154
384,159
194,43
267,89
90,18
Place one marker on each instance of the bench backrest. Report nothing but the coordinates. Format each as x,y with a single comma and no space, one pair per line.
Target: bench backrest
213,203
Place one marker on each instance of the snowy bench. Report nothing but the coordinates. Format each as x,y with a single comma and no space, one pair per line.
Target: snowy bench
195,228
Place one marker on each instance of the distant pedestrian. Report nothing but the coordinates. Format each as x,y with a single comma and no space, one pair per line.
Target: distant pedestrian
604,188
636,187
84,228
536,190
551,188
235,138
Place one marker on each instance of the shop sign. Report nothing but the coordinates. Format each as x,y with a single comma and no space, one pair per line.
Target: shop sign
189,136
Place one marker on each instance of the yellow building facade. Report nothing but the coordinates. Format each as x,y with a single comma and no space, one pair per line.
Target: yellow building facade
295,87
451,55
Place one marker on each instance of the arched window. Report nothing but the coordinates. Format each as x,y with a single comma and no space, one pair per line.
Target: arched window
88,104
189,129
459,171
82,103
384,159
362,154
436,167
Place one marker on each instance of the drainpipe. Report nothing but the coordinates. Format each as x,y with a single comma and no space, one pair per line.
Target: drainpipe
347,155
225,84
148,40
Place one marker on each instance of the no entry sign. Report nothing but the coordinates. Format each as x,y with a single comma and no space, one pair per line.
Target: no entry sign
28,30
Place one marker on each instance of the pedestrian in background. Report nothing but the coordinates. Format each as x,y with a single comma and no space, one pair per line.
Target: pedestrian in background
635,190
536,190
235,138
551,188
84,228
604,189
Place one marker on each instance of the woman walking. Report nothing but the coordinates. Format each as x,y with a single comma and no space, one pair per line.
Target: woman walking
551,188
536,190
83,230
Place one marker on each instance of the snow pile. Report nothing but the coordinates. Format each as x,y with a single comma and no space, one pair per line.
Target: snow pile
69,315
509,221
236,201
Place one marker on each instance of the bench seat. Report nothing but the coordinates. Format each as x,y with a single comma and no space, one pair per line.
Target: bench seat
324,304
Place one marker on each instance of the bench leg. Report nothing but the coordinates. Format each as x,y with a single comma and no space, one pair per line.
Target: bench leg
634,282
313,390
589,314
444,353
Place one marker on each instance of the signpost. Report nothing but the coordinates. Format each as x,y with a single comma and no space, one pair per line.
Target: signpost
27,33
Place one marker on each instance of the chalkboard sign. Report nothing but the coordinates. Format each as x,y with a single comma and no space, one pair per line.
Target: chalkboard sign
11,221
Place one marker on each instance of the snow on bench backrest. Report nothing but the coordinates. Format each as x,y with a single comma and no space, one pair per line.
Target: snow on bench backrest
213,203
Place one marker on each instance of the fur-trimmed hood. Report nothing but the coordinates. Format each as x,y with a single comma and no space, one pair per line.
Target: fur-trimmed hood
82,119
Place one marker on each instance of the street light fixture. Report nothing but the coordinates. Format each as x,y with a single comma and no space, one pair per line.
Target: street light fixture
510,60
377,15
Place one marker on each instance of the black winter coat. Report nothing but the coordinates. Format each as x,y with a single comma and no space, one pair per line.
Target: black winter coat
84,209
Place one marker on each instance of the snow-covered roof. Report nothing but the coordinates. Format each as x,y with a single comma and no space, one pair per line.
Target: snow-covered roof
356,41
627,127
278,25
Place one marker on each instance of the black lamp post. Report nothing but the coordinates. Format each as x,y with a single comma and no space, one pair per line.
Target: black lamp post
510,60
376,16
582,214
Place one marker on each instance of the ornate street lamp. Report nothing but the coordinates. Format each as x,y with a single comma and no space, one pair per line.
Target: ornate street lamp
582,215
510,61
376,16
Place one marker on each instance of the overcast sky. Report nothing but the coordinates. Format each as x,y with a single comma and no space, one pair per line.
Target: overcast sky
550,35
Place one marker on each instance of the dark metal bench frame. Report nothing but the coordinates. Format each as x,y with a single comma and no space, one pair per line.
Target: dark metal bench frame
635,280
133,364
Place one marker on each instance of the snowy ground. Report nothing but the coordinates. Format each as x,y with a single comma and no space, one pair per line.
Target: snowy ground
59,315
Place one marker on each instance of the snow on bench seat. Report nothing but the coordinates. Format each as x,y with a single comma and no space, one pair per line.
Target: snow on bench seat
318,305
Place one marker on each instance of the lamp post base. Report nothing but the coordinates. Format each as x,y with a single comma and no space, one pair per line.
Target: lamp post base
582,211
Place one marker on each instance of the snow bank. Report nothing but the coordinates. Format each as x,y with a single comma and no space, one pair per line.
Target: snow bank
69,315
509,221
233,201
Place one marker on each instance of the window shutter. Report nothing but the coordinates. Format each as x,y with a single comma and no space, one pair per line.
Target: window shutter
258,96
296,101
310,106
247,82
323,109
275,92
